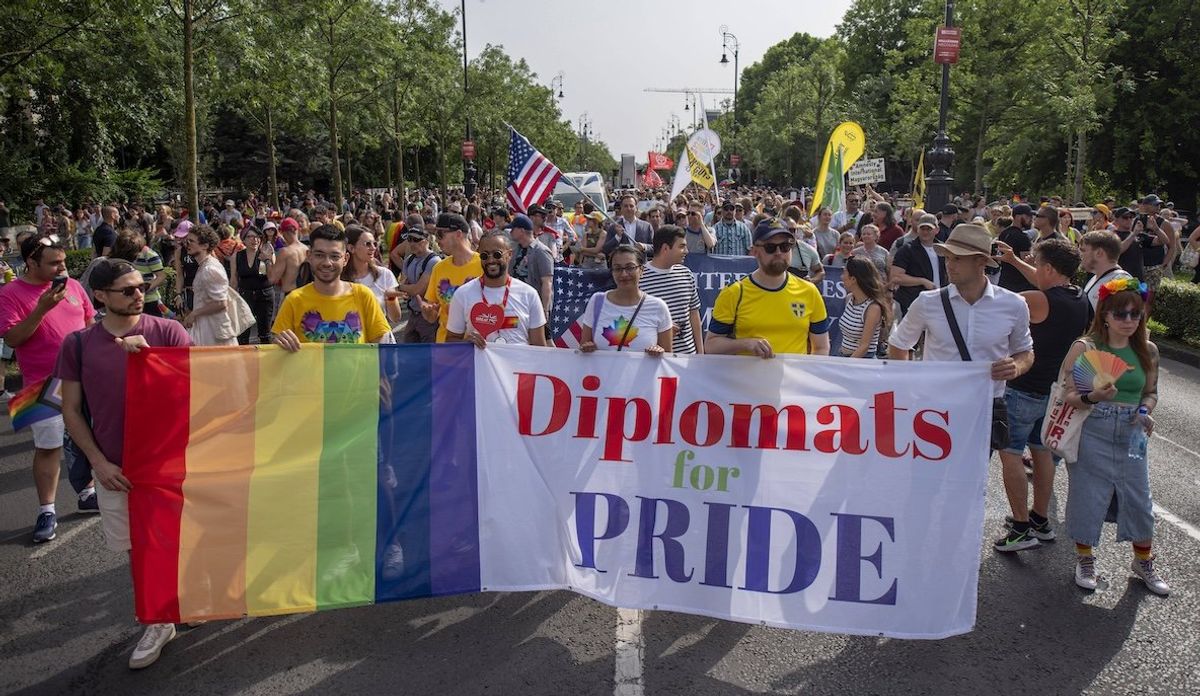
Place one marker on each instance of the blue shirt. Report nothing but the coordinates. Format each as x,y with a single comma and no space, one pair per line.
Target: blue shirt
733,238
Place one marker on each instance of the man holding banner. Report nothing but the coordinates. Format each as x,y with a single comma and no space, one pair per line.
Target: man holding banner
770,311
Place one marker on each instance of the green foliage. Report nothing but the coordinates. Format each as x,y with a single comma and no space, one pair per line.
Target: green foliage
78,260
1177,310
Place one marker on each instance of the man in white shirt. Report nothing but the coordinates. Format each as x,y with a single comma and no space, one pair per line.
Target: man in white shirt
494,309
847,220
993,322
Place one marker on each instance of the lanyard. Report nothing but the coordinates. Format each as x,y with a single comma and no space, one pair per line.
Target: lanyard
503,301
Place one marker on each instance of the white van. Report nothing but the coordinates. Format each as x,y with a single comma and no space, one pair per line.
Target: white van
591,183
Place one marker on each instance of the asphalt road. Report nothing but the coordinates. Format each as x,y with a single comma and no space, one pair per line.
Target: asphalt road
66,622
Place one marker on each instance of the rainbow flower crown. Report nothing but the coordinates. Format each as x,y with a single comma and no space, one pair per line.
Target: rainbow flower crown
1123,284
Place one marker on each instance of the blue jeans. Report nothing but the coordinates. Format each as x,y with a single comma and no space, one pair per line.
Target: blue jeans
83,241
1105,471
1026,412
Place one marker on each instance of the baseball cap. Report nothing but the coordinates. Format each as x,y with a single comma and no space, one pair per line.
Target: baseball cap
727,205
1022,209
950,209
182,229
768,228
521,222
1123,212
536,210
289,224
229,203
927,219
452,221
595,215
1152,199
268,225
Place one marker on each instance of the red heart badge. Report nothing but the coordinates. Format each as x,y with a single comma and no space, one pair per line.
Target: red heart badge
486,318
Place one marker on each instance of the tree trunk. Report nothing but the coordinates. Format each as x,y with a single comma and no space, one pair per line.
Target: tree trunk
272,180
417,166
1070,159
442,170
400,188
1080,165
349,172
335,157
979,148
191,180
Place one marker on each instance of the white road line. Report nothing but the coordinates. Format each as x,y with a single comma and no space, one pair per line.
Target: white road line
1171,442
1170,517
630,646
60,540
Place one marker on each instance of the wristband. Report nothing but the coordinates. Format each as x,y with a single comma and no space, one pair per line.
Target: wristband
1087,400
1143,411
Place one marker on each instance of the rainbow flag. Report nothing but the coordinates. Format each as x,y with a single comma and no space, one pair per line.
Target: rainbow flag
30,405
272,483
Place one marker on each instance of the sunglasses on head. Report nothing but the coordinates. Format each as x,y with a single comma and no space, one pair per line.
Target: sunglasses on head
494,255
1125,315
773,247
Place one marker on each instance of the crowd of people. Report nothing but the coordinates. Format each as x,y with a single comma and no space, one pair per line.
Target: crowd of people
971,281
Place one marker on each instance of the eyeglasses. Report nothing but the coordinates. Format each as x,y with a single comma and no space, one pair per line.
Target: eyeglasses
1126,315
626,270
130,290
493,255
773,247
320,256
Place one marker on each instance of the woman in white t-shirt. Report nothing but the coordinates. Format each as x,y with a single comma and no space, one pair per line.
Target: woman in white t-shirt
626,318
364,268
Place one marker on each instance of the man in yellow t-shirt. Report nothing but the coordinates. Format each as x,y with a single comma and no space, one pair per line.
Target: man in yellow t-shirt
769,311
329,309
460,265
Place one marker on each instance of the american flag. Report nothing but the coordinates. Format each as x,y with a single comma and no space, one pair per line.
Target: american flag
573,287
531,177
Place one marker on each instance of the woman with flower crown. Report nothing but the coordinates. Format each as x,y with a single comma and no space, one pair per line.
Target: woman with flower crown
1112,469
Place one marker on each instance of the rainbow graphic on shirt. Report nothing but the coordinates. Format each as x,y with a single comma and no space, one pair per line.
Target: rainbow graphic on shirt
616,330
446,290
317,329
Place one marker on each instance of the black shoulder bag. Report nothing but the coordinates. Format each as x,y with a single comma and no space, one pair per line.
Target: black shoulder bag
1000,433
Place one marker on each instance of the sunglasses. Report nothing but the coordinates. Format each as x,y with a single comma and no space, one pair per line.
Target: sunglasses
494,255
130,291
1125,315
773,247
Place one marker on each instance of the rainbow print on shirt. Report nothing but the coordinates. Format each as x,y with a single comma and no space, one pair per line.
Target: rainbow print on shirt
446,290
317,329
613,333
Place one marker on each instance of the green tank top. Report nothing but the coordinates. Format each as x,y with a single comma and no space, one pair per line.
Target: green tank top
1130,384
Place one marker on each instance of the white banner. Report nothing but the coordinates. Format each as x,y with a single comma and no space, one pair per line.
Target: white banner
867,172
822,494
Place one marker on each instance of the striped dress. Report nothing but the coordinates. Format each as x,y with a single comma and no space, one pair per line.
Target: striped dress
851,324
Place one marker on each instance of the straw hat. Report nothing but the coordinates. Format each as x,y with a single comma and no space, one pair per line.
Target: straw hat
968,240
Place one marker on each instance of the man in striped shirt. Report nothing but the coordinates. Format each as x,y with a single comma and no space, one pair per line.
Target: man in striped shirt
733,236
667,279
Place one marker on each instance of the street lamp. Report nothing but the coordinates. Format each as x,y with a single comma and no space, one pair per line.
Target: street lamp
730,42
557,79
939,182
468,163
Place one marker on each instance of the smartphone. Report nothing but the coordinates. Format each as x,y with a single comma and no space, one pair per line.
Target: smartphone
58,283
995,249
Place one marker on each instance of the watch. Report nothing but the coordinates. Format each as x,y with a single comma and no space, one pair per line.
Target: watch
1087,400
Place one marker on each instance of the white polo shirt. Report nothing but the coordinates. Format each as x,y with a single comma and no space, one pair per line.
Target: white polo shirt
995,327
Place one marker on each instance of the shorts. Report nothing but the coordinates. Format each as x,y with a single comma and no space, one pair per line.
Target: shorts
1025,415
114,518
48,434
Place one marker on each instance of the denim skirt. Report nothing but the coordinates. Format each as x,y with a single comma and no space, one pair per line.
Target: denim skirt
1105,471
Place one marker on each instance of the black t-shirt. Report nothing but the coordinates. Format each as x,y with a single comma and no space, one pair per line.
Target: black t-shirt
1067,319
1152,255
104,236
1010,277
1131,259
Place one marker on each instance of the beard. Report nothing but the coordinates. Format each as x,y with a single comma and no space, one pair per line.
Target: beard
493,270
775,265
133,311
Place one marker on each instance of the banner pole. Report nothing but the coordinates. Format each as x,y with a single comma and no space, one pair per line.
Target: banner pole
569,181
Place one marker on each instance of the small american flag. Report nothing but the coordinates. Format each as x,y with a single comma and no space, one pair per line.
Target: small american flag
531,177
573,287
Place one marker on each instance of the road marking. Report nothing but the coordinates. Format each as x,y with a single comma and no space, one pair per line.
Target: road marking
60,540
629,648
1168,516
1171,442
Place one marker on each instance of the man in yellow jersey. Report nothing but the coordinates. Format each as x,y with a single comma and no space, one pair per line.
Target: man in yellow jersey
460,265
769,311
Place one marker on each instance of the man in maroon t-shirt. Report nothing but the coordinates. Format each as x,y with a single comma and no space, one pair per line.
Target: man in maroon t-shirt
91,366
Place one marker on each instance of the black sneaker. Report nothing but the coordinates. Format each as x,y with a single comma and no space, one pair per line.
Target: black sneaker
1016,541
1043,531
89,504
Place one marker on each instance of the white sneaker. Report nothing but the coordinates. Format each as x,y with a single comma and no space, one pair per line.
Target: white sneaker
1145,571
1085,572
5,396
150,646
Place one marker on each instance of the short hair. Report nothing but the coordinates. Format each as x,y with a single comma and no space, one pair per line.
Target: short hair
1060,254
106,272
1106,241
128,245
628,249
206,235
621,200
33,246
329,233
666,235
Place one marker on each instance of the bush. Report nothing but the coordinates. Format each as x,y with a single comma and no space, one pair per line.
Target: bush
1177,308
77,261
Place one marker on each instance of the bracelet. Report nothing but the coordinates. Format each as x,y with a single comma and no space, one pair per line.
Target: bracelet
1143,411
1087,400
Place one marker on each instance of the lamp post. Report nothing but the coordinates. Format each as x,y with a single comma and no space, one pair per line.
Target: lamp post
468,163
558,79
730,42
585,125
939,182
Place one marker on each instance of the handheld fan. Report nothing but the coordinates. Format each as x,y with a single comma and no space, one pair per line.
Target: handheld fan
1095,369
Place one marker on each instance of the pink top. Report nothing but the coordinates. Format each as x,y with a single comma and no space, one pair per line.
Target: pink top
37,356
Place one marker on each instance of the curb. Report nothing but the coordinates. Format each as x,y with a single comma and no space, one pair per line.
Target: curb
1173,351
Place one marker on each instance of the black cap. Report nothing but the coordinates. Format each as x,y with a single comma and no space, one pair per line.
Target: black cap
1022,209
536,209
452,221
1123,212
727,205
950,209
1152,199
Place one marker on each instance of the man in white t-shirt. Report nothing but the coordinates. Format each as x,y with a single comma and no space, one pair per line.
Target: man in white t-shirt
494,309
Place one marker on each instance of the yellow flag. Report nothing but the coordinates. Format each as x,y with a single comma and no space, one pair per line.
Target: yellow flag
918,187
700,172
850,137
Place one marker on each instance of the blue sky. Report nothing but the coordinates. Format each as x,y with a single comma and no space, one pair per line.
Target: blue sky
609,51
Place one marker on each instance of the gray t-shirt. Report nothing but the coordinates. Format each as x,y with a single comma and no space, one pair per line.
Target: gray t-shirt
531,264
827,241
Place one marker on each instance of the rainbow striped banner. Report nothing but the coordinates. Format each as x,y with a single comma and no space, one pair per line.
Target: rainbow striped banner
35,403
267,483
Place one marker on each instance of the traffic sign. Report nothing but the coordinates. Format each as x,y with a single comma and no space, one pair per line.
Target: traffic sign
946,45
468,149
